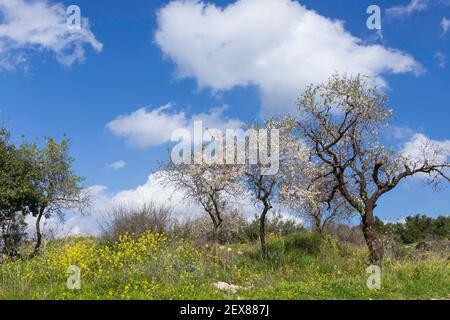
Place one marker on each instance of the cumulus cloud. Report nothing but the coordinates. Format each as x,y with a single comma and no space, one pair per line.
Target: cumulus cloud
408,9
41,26
400,132
278,46
103,201
153,190
144,128
420,149
75,223
118,165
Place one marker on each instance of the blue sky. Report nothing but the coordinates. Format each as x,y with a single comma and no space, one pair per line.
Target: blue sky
44,96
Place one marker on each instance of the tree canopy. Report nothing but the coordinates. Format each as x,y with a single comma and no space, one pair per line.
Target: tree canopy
37,181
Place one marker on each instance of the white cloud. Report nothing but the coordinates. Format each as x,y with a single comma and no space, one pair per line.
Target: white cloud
278,46
445,24
400,132
75,223
441,59
398,221
420,148
103,201
148,128
41,26
151,191
154,190
214,119
145,128
408,9
118,165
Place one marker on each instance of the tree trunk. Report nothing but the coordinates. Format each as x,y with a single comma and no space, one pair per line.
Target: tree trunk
38,233
216,229
373,242
217,223
262,231
318,226
216,219
216,233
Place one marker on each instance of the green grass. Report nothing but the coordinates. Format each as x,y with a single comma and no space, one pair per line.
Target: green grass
302,266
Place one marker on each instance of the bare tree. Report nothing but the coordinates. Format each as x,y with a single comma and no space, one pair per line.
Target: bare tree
340,122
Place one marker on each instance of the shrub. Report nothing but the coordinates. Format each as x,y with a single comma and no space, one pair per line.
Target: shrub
276,224
137,220
417,228
305,243
347,234
12,234
200,230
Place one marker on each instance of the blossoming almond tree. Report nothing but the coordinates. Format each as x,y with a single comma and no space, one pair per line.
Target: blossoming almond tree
314,195
341,121
264,188
211,185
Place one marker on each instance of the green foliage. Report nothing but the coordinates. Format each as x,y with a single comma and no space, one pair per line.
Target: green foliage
442,227
235,228
303,266
55,186
13,234
417,228
15,184
275,224
15,194
37,181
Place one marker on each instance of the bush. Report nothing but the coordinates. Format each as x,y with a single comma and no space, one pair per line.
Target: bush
276,224
347,234
417,228
200,230
12,234
137,220
305,243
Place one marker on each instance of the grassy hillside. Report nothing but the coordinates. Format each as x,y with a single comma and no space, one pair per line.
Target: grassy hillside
302,266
